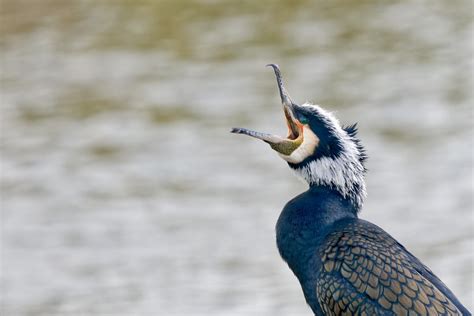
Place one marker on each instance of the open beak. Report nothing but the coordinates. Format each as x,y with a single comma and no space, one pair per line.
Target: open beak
284,146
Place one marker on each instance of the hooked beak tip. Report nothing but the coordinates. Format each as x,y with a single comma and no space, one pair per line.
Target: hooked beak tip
285,97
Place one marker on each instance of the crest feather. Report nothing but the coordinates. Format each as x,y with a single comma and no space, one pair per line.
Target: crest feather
352,131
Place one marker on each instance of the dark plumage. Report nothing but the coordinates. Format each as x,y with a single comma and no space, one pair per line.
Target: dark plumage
348,265
345,265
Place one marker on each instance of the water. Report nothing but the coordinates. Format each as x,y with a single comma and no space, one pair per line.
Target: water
123,192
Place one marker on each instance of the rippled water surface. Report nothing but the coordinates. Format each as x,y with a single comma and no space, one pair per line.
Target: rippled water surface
123,192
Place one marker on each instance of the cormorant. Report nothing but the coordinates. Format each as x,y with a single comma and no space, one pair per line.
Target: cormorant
345,265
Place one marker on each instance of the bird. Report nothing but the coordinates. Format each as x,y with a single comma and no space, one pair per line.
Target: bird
345,265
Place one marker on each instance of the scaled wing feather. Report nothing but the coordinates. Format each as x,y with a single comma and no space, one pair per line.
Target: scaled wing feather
366,271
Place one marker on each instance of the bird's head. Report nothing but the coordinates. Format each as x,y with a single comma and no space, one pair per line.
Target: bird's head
318,147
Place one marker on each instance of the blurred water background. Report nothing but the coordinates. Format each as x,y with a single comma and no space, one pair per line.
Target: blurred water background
123,192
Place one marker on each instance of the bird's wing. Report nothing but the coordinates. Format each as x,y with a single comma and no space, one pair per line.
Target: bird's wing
365,271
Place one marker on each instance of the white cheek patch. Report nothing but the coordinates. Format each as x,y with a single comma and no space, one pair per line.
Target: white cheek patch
306,149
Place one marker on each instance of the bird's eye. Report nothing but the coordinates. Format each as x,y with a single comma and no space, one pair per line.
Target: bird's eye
303,119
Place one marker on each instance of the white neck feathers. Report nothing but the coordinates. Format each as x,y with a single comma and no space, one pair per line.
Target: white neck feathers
344,172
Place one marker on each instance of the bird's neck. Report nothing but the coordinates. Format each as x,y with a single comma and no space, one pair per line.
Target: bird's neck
334,205
305,221
344,173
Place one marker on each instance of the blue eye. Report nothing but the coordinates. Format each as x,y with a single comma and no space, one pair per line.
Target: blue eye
302,118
